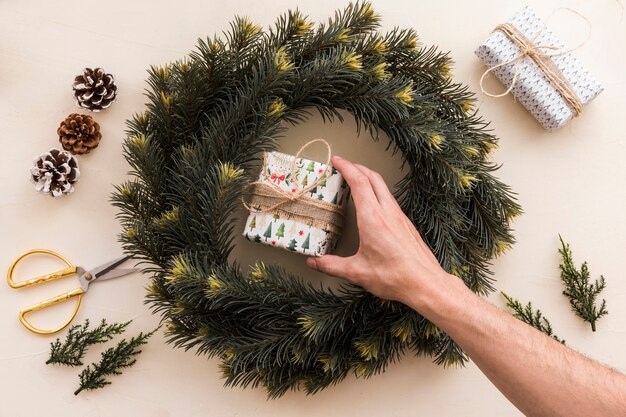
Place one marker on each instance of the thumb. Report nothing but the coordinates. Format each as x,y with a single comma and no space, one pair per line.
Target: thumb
336,266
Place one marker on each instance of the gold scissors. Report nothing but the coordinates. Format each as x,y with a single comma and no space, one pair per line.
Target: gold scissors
106,271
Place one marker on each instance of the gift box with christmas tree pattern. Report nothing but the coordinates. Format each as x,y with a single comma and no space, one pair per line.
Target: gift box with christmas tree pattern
296,226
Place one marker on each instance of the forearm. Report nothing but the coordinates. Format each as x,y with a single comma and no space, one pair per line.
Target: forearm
539,375
536,373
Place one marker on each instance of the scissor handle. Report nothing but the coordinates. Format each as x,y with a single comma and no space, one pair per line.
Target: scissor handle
78,292
71,269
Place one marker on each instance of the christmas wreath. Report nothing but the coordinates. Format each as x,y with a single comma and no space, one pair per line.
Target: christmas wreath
208,119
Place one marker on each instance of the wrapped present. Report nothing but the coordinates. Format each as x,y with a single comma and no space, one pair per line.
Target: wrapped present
539,71
297,204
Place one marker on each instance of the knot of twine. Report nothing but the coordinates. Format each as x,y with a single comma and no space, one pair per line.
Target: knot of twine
270,197
528,48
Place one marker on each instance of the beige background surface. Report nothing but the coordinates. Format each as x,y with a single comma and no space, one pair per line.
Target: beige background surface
569,182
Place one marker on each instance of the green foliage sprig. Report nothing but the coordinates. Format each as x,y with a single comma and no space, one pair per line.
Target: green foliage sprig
530,316
112,361
208,119
581,293
78,338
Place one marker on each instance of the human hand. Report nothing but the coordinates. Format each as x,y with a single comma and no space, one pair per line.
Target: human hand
392,261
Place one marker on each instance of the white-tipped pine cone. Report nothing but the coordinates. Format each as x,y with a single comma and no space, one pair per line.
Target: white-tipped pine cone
55,172
94,89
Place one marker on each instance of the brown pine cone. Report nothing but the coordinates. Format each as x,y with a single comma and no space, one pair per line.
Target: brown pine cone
55,173
79,133
94,89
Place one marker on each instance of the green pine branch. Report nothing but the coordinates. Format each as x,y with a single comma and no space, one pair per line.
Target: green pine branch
112,361
581,293
78,338
530,316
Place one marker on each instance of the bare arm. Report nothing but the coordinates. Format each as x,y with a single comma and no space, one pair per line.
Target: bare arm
537,374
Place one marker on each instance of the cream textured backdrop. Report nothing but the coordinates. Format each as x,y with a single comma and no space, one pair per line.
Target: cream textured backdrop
569,182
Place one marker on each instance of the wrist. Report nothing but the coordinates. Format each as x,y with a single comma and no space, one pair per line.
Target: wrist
438,296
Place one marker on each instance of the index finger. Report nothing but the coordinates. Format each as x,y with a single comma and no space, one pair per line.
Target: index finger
360,186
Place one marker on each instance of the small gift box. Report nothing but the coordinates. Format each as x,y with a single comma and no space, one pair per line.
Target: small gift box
297,204
537,68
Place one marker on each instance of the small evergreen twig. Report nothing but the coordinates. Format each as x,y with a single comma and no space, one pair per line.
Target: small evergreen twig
79,337
582,295
529,316
111,362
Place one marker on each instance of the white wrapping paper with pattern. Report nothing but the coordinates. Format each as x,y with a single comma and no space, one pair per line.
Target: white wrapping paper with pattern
277,230
532,88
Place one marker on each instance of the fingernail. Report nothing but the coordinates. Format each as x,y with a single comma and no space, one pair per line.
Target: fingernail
337,157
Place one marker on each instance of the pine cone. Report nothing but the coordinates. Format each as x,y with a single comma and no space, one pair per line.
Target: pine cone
79,133
55,172
94,89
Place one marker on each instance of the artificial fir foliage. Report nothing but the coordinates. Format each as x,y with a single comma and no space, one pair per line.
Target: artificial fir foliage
580,292
208,120
78,338
530,316
112,361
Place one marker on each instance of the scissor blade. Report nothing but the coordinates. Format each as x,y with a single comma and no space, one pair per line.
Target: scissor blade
97,272
101,272
116,273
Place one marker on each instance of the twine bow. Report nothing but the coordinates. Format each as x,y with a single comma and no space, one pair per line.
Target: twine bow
296,205
528,48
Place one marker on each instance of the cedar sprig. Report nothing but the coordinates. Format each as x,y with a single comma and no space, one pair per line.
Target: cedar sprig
112,361
581,293
530,316
79,337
